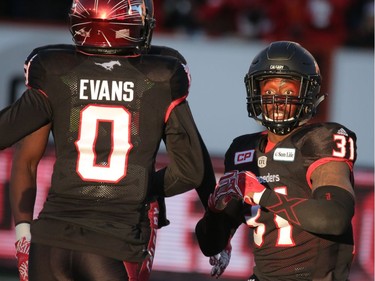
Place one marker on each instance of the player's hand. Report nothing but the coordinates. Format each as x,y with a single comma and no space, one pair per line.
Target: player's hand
234,185
226,189
22,255
220,261
249,184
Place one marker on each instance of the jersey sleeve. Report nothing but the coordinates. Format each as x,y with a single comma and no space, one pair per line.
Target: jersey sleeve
179,88
186,168
326,142
30,112
49,47
167,51
331,140
34,68
33,109
209,181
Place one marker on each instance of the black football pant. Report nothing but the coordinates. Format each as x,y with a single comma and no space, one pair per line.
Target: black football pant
55,264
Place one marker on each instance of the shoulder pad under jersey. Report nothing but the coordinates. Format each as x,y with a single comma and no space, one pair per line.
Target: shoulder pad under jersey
166,51
49,47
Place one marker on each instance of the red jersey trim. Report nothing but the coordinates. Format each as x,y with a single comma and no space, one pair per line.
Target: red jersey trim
172,106
39,90
270,145
322,161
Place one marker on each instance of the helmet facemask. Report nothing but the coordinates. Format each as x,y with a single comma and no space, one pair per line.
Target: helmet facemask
267,109
281,113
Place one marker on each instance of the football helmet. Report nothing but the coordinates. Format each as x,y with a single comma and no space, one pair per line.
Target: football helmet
112,24
289,60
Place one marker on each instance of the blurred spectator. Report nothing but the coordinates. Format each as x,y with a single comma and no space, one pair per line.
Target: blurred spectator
244,18
218,17
252,19
318,25
314,23
38,10
361,24
179,15
310,22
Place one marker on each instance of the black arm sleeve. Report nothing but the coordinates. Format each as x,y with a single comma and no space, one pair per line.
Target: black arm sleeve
26,115
209,181
214,230
345,255
185,170
329,211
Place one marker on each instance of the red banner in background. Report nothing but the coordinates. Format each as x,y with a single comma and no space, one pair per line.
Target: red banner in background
177,250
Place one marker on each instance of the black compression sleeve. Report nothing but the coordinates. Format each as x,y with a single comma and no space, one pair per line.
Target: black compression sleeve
214,230
329,211
209,181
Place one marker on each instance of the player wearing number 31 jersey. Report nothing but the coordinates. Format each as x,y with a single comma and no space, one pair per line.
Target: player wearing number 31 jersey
294,180
280,234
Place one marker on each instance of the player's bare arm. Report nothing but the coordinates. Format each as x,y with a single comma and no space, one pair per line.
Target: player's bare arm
27,155
336,173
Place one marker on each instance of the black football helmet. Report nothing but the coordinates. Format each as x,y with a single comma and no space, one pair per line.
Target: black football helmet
112,24
289,60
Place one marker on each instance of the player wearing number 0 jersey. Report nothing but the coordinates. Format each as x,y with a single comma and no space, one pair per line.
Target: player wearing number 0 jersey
109,115
24,157
110,101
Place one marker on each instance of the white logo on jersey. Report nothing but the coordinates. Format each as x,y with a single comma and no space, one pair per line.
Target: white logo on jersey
342,132
269,178
109,65
284,154
244,157
262,161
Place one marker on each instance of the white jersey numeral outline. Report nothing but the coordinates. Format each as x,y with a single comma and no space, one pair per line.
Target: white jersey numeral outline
284,237
115,170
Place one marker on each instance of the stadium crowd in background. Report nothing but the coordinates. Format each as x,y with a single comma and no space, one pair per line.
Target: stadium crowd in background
337,22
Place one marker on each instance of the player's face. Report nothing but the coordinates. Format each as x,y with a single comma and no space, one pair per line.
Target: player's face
277,98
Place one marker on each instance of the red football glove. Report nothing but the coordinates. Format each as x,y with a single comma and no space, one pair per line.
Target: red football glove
225,190
233,185
249,185
22,255
220,261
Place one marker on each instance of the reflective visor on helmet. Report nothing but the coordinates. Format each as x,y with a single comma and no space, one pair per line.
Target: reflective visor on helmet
110,23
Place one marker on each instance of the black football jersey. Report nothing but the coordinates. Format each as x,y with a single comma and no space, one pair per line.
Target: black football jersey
109,115
282,250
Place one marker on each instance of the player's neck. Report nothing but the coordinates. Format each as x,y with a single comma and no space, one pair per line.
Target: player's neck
273,138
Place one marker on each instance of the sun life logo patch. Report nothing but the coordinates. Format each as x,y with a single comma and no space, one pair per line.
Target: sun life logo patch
284,154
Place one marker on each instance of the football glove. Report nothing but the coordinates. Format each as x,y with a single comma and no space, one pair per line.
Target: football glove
220,261
233,185
22,255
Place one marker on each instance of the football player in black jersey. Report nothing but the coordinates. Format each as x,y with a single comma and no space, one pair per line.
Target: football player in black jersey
293,183
109,103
